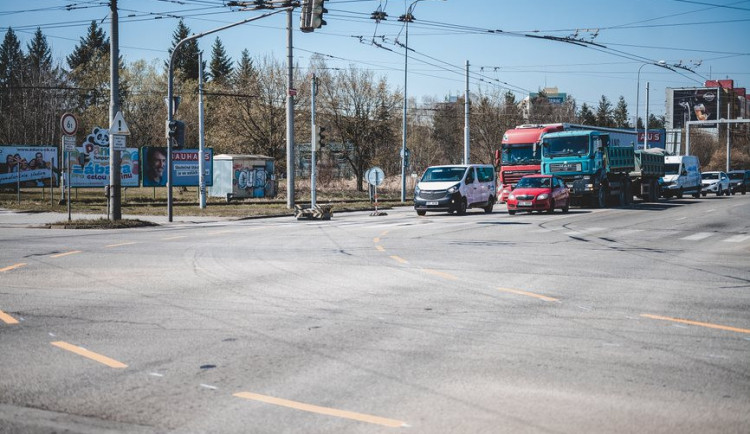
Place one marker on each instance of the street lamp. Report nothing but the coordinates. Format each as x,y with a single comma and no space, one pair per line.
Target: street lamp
661,64
406,18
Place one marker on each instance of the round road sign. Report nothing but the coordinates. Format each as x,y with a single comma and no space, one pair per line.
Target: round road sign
375,176
69,124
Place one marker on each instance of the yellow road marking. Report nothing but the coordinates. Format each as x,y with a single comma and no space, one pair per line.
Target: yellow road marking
59,255
89,354
174,238
13,267
380,248
7,319
696,323
399,259
441,274
384,233
391,423
376,240
528,294
122,244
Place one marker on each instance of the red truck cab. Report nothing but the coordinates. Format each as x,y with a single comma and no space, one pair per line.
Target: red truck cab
520,154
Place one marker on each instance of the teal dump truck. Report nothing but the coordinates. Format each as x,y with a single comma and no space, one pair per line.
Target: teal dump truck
602,167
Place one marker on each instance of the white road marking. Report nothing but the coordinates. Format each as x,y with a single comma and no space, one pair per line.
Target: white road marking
737,238
697,236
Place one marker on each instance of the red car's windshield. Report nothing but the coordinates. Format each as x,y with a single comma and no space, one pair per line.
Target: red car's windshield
533,183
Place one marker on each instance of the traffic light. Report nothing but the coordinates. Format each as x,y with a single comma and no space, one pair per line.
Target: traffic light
311,16
317,14
319,138
179,135
171,129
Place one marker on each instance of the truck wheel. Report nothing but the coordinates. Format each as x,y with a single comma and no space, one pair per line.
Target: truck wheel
679,194
697,194
601,197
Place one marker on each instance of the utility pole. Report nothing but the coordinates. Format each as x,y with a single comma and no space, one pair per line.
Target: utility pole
289,115
201,137
115,212
314,144
466,117
645,127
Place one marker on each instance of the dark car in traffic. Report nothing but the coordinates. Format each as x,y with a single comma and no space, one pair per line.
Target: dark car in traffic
739,181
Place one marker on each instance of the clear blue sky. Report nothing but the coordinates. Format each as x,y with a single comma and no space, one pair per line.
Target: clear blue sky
490,34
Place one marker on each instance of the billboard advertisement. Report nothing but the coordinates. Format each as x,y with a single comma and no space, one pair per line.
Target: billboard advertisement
31,166
694,104
185,167
91,169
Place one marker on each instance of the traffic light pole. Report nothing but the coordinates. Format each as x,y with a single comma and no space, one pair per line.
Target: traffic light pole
170,91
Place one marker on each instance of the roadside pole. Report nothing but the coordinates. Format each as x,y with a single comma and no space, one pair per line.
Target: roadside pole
313,143
201,137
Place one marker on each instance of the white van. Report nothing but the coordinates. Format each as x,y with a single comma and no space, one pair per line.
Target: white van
682,174
455,188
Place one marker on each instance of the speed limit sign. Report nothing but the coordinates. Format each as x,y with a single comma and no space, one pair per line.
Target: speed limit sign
69,124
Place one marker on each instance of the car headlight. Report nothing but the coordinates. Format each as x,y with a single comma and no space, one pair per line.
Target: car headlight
454,188
543,196
512,197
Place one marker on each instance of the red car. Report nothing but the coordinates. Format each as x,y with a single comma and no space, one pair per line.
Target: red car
539,193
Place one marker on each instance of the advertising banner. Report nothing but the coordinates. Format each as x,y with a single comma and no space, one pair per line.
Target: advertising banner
696,104
91,169
185,167
31,165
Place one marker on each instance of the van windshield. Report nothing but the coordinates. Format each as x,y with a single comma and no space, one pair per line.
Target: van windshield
441,174
672,168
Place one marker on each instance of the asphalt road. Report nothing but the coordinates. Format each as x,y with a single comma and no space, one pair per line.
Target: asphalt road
616,320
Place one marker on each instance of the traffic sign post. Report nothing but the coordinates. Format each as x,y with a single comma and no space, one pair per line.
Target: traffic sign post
69,127
375,176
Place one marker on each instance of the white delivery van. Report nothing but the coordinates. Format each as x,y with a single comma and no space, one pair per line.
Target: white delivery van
682,175
455,188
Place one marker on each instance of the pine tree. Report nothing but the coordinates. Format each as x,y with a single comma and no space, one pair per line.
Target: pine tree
586,116
11,59
620,114
186,59
221,64
245,68
94,45
40,54
604,113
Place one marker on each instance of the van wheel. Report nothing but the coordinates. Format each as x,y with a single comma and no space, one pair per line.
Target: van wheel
462,207
488,208
421,212
679,194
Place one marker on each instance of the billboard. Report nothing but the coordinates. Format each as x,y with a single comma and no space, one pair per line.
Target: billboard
185,167
31,166
693,104
91,169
